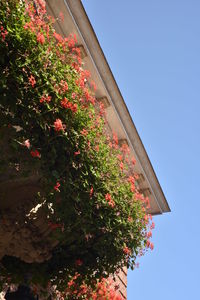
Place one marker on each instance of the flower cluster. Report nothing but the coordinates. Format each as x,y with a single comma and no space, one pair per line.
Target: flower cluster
103,290
109,200
58,125
94,209
3,33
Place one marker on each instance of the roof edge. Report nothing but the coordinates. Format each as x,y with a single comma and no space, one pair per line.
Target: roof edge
95,52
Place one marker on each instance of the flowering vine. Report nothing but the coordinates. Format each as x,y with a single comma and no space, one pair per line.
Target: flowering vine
93,204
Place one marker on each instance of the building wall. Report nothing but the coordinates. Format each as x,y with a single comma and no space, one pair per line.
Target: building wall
120,280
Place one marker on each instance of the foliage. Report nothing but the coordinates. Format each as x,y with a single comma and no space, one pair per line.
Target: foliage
105,289
47,103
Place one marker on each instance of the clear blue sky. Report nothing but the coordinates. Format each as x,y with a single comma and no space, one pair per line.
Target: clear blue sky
153,49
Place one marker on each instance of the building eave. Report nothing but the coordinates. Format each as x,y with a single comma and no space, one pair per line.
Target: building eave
98,65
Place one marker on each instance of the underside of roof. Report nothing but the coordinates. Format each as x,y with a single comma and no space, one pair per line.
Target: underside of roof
119,120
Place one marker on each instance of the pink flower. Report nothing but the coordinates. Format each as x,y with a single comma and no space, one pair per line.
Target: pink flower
74,108
32,80
77,153
147,202
148,243
63,86
4,33
26,26
120,157
136,176
58,125
115,138
149,234
61,16
91,192
131,179
73,95
93,85
126,250
125,149
40,38
35,153
133,160
108,197
27,144
84,132
42,4
121,166
45,99
56,187
110,201
58,37
65,102
151,246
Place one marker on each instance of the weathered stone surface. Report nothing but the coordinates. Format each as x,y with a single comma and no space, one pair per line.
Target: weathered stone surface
26,237
24,229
